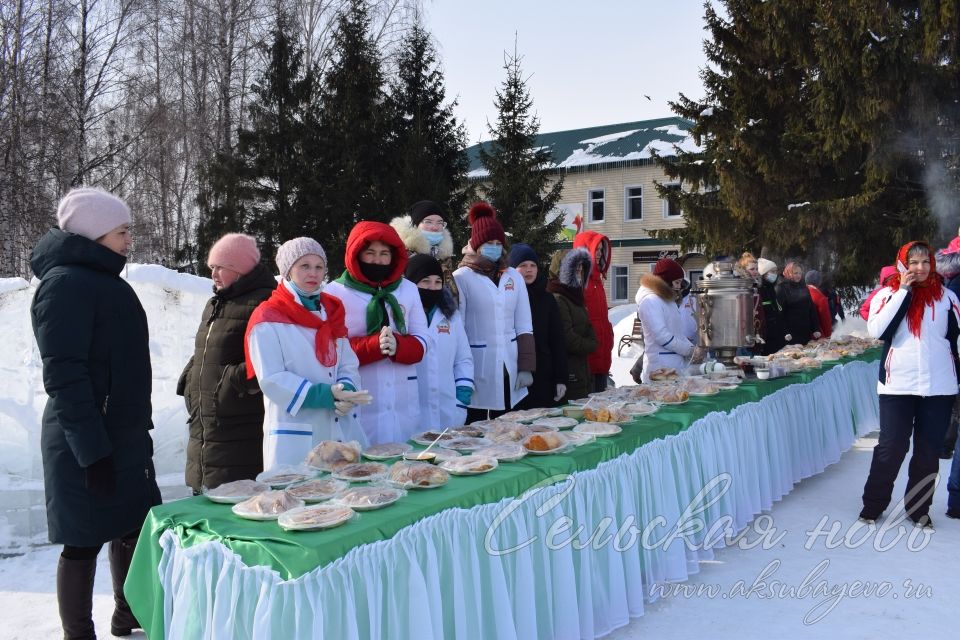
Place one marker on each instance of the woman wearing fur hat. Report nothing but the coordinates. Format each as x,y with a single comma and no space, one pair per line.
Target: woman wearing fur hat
665,346
92,334
550,378
387,328
496,313
424,231
297,346
224,404
580,340
916,317
445,375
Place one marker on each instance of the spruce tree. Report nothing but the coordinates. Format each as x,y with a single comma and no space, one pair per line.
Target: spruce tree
351,163
519,185
813,144
427,143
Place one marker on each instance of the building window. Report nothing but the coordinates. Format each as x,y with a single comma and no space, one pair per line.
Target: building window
621,282
595,198
671,206
633,203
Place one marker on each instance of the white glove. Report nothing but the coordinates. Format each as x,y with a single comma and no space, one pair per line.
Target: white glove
788,337
816,335
561,391
524,379
388,342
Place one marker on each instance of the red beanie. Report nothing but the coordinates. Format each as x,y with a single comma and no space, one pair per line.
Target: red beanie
484,226
668,269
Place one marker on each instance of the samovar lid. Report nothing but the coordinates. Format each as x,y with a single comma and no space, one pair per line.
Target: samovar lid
724,279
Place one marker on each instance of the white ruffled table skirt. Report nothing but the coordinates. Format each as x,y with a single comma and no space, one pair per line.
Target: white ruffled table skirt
452,575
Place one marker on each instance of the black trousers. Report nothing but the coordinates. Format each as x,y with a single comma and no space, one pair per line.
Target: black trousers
926,420
473,415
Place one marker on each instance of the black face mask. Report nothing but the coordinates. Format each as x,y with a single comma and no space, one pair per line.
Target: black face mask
376,273
430,298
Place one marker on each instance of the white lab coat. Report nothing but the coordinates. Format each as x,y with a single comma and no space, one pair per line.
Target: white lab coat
394,413
664,342
915,366
493,316
447,365
284,359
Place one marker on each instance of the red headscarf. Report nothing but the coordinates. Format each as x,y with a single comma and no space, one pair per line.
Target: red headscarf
280,307
924,293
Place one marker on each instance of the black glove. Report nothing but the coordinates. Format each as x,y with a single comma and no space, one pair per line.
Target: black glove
99,477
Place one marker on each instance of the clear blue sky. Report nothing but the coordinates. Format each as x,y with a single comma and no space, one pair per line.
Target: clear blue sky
590,63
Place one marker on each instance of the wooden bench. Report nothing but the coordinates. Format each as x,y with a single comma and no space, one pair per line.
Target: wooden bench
636,335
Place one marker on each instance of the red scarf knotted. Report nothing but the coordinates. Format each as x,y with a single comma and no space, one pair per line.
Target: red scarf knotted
281,307
925,293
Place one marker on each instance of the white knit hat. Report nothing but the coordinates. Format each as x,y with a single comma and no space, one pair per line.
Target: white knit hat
91,212
292,250
765,266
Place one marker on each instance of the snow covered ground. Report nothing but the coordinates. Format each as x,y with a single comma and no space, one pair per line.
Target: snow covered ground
915,577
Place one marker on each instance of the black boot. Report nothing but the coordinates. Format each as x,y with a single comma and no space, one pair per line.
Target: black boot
123,621
75,597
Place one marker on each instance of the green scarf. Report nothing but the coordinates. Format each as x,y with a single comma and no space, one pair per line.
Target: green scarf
375,310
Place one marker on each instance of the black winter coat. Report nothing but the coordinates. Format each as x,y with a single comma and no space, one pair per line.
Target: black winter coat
93,338
225,410
550,344
579,338
773,324
800,317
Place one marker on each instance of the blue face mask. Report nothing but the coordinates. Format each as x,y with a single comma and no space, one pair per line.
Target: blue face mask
492,251
433,237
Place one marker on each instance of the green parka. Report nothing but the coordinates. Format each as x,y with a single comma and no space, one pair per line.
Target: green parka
225,410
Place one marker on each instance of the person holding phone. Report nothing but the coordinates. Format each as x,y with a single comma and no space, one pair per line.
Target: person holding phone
917,319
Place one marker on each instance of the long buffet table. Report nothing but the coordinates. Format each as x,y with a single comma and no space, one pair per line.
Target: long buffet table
542,547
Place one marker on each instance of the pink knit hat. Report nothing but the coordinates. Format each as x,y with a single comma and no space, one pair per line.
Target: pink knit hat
292,250
91,212
236,251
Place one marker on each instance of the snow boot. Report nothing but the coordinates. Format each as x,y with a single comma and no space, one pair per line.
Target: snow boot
123,621
75,597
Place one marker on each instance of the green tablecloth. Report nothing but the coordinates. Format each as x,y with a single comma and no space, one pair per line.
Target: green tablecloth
292,554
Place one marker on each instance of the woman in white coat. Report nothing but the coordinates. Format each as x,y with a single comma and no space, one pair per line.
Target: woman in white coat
917,319
496,315
664,339
445,374
296,345
387,329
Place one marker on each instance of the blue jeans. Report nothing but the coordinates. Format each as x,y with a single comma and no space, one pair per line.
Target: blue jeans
953,484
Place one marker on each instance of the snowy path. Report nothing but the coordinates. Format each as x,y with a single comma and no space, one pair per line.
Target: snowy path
30,610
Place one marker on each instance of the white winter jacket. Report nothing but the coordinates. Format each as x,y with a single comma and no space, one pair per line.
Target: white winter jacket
664,342
447,365
284,358
921,366
394,414
493,316
688,317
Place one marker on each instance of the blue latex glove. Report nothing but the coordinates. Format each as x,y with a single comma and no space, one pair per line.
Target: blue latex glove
319,396
464,394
